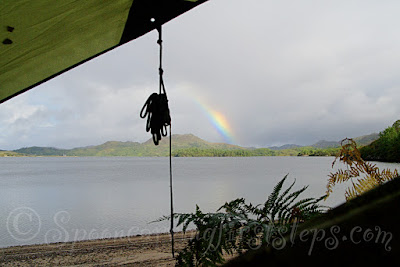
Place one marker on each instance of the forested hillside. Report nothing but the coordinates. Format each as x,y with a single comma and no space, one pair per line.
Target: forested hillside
133,149
386,148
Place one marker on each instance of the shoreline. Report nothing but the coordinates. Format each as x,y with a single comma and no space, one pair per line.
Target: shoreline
141,250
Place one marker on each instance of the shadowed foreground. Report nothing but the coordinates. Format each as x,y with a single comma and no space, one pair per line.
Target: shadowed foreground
364,231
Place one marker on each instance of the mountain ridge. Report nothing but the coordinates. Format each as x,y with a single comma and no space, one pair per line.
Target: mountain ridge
181,143
129,148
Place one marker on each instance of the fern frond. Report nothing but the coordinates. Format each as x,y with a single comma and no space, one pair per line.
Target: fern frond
369,168
334,178
361,186
163,218
284,205
285,192
304,202
353,172
351,156
284,209
274,195
387,175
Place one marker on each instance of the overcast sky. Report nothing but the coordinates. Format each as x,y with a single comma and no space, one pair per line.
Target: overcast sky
279,72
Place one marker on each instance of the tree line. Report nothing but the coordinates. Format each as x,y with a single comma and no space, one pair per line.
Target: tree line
386,148
259,152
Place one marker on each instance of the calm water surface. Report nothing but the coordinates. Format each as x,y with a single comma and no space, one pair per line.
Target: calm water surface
53,199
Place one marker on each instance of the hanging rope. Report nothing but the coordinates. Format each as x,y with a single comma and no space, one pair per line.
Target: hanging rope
158,118
172,202
156,107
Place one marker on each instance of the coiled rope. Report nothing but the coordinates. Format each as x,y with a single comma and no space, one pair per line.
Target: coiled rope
156,107
158,118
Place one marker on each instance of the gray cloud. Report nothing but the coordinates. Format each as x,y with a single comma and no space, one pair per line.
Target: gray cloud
279,71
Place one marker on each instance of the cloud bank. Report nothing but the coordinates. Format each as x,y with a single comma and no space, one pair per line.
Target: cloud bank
278,71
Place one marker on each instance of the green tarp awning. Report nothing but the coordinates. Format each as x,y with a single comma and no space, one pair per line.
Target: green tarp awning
41,39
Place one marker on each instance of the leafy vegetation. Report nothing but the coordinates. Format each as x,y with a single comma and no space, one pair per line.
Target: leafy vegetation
10,154
241,226
296,151
311,151
386,148
366,174
210,152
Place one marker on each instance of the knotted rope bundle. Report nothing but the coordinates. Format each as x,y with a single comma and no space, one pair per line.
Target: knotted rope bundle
158,117
156,106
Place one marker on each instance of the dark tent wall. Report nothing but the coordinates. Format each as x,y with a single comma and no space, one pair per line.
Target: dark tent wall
43,38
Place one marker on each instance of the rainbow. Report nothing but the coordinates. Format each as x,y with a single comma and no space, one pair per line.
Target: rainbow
219,122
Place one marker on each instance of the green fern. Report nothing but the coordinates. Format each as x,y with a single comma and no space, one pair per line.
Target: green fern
237,226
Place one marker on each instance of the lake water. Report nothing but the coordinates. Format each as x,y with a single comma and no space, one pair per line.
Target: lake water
54,199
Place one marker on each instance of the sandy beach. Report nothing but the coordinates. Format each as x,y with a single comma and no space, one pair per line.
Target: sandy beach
149,250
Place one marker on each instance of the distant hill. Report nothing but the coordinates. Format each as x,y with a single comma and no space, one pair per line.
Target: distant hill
189,145
117,148
361,141
326,144
287,146
41,151
366,139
